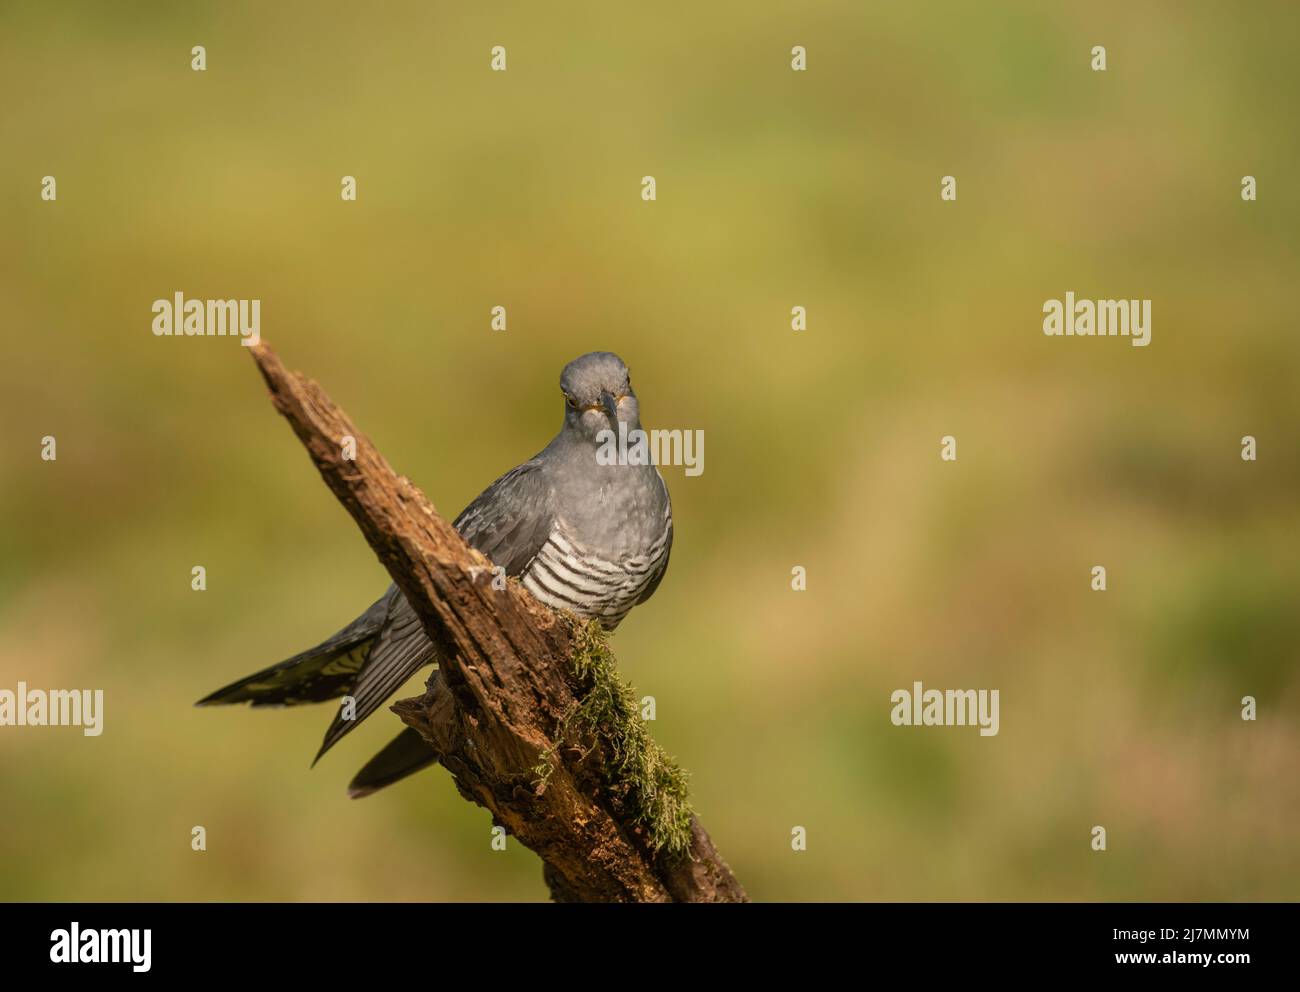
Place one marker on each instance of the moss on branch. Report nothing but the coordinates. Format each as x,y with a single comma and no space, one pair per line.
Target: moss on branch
639,773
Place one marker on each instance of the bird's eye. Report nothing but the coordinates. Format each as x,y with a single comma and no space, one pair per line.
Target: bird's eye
571,401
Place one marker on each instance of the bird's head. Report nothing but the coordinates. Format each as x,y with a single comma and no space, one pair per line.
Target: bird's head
597,395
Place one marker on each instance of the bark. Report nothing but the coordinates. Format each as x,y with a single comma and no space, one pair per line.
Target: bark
506,682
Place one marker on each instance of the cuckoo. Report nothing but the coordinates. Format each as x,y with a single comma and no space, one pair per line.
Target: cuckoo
581,535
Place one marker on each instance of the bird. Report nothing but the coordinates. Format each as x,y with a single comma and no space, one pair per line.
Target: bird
582,533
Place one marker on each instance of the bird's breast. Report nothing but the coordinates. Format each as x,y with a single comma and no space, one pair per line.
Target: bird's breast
599,579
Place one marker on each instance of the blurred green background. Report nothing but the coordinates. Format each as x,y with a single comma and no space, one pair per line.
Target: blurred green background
775,189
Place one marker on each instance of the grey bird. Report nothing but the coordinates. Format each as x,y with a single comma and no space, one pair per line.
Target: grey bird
581,535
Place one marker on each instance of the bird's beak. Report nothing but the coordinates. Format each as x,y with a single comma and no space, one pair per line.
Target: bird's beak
611,408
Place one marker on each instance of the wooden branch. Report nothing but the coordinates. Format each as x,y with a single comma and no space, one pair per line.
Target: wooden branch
505,686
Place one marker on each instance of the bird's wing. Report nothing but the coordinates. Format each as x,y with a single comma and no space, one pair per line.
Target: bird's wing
511,519
668,546
659,576
509,523
399,651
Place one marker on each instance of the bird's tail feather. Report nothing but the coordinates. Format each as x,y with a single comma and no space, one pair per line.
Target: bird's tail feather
365,662
404,755
324,672
398,652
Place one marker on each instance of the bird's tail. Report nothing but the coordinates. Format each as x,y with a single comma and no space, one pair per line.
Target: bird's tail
405,754
366,662
324,672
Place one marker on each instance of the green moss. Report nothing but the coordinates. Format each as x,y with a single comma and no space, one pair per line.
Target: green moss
639,773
